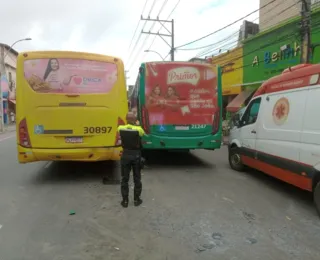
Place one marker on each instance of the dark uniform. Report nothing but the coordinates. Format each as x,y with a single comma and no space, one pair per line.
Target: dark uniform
131,159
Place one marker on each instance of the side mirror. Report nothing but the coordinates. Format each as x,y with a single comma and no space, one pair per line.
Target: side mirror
236,120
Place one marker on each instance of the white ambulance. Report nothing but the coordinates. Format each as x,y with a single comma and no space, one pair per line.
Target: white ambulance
279,131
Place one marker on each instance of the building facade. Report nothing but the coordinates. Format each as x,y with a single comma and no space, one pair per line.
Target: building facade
269,53
265,55
8,61
277,12
231,63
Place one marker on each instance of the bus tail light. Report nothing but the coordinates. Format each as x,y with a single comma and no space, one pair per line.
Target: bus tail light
118,139
145,120
24,138
216,122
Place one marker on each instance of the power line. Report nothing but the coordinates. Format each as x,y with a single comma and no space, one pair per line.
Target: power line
274,7
275,15
161,26
228,46
137,41
235,33
236,21
147,37
214,44
208,50
285,37
155,37
161,9
135,31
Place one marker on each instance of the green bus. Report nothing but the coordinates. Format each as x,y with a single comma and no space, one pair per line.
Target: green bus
179,105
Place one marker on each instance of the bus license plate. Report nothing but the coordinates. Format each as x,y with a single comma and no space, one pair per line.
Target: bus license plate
182,127
74,140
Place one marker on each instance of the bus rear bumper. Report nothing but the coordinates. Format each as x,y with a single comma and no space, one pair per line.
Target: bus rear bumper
210,142
27,155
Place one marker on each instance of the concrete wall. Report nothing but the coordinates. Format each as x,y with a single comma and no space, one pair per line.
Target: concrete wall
277,12
10,61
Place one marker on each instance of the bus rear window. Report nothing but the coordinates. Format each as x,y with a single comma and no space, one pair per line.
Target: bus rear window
70,75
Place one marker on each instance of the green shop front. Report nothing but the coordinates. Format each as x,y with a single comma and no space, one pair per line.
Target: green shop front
269,53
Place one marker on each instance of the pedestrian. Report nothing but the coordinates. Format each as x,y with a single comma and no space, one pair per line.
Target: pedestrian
131,159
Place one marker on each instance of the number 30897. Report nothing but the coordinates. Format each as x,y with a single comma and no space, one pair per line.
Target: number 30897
97,130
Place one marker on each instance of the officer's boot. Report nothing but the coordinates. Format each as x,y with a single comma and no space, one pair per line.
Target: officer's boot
125,202
137,201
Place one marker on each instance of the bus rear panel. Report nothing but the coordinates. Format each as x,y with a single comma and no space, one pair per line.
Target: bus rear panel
69,106
179,105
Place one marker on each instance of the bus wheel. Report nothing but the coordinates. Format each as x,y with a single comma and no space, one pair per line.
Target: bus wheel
235,160
316,197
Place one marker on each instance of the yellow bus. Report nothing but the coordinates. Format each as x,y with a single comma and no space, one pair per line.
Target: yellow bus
69,105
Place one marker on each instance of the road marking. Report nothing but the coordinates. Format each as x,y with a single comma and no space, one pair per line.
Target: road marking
47,165
227,199
6,138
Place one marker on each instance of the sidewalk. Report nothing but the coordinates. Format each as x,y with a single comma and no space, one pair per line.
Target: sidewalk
225,140
9,128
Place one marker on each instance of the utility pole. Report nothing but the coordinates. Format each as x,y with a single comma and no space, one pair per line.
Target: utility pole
1,108
305,30
2,72
161,35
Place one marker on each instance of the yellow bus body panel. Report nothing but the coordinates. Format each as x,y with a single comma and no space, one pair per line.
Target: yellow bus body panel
90,117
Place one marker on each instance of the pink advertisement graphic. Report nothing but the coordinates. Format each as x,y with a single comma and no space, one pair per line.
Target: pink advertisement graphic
70,75
180,94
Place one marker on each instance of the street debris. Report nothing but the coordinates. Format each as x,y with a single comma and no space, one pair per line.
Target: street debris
226,199
72,212
251,241
216,236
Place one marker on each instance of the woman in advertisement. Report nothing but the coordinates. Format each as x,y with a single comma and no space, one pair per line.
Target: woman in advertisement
155,105
55,76
172,99
173,114
155,100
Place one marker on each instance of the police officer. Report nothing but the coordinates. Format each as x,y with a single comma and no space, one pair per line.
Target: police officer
131,159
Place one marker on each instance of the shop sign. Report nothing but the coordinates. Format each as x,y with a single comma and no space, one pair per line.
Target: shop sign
228,67
285,53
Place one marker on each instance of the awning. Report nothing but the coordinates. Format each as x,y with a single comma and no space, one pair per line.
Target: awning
238,101
12,101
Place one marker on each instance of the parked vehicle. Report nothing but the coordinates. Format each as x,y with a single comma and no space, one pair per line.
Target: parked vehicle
279,132
69,105
179,105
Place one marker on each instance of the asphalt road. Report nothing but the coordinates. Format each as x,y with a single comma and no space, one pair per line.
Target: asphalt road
195,207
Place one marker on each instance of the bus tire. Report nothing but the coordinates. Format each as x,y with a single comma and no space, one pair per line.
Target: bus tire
235,159
316,197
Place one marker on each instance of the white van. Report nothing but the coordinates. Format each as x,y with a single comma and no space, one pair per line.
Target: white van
279,131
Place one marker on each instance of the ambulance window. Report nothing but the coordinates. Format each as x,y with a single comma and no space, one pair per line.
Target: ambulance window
251,115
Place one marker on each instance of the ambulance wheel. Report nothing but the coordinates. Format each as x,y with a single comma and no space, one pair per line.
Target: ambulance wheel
316,197
235,159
